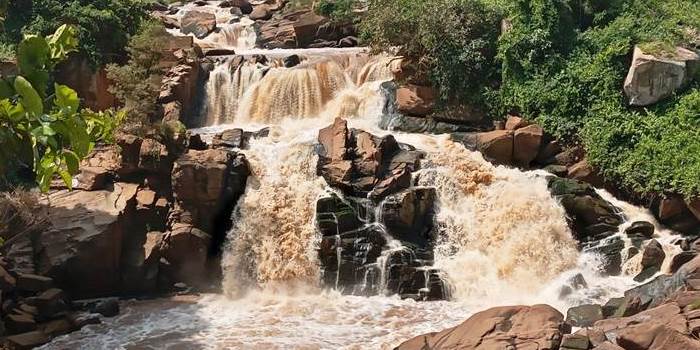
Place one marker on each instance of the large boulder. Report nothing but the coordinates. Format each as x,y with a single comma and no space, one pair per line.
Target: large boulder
415,100
526,144
207,182
656,76
81,250
496,146
408,215
673,212
199,23
185,248
516,327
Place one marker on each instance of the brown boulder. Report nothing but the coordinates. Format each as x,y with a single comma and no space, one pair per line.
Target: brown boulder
27,340
199,23
585,172
185,248
514,122
526,144
654,336
496,146
415,100
261,12
673,212
527,327
306,28
334,140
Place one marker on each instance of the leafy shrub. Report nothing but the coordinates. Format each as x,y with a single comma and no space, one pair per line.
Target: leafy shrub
453,42
104,26
339,11
47,134
137,83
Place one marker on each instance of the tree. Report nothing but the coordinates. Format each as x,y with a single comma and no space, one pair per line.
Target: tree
46,132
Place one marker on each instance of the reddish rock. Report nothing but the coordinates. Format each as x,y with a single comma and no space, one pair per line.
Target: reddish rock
585,172
19,322
496,145
654,335
514,122
185,248
199,23
527,327
92,178
334,140
667,314
415,100
526,144
306,28
27,340
694,206
261,12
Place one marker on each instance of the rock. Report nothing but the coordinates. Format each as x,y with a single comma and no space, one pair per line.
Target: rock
153,155
591,217
558,170
82,249
57,327
514,123
667,314
654,77
260,12
612,306
526,144
673,212
92,178
585,172
19,323
584,315
607,346
680,259
496,146
640,228
232,138
82,319
199,23
27,340
537,327
179,92
415,100
50,303
292,61
348,41
107,307
90,82
306,29
398,179
574,342
243,5
207,182
33,283
186,248
408,215
654,336
334,140
694,206
334,216
547,153
652,258
7,281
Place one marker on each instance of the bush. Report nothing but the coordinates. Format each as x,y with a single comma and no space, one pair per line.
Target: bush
339,11
452,42
137,83
104,25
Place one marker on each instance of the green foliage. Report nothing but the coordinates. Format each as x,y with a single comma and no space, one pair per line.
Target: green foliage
137,83
45,133
339,11
455,52
104,26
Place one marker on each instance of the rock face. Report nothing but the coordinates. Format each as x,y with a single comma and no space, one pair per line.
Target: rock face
379,237
415,100
653,77
82,250
199,23
207,182
673,212
363,165
517,327
301,29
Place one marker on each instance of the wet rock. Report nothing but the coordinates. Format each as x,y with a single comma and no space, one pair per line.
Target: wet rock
641,228
243,5
584,315
33,283
348,41
199,23
538,326
558,170
654,77
50,303
107,307
496,146
591,217
527,141
82,319
19,322
291,61
409,215
335,216
27,340
612,306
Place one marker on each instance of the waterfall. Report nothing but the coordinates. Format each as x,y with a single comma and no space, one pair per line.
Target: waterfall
226,86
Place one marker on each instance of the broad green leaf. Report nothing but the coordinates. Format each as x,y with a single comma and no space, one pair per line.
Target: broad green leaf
14,112
72,161
30,98
32,54
66,98
67,178
62,42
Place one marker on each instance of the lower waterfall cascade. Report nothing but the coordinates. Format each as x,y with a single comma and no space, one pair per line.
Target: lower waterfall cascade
499,236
